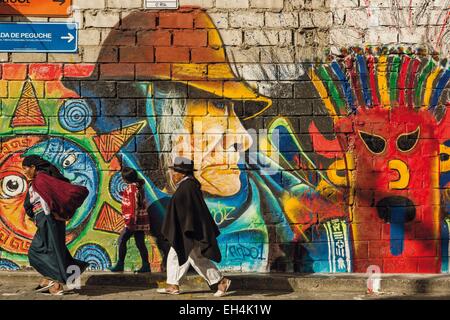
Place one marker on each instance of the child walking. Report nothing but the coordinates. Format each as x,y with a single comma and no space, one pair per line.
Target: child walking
136,220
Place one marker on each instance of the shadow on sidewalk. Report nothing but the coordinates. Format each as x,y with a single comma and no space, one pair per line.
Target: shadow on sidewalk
95,291
126,279
417,297
108,283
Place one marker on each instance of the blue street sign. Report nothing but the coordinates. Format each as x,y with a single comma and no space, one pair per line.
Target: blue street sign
38,37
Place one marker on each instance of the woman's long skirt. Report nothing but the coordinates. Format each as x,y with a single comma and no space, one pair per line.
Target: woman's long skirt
48,253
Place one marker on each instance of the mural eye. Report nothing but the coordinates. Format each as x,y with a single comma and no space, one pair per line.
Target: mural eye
69,160
408,141
223,104
374,143
12,186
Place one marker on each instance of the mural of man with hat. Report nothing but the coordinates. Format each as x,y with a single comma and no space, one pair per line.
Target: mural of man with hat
197,108
191,232
201,114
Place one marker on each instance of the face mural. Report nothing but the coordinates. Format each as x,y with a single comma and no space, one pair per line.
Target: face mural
18,230
390,123
76,165
396,146
201,117
217,142
360,180
78,128
58,129
397,187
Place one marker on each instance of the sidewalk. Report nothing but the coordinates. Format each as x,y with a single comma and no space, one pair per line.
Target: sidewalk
105,285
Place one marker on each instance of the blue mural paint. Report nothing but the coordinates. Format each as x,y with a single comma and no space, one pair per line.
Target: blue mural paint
397,230
439,88
347,89
8,265
363,76
76,165
286,144
445,245
117,186
95,255
75,115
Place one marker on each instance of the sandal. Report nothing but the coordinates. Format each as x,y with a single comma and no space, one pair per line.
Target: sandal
42,288
168,291
56,290
221,293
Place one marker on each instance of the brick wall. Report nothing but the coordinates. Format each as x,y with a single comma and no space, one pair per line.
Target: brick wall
319,129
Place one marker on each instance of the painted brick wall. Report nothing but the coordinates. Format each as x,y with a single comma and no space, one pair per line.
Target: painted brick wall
319,129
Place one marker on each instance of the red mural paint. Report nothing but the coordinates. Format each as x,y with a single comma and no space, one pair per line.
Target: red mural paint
396,214
397,183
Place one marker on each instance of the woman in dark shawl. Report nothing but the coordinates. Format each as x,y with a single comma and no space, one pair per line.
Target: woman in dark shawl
51,201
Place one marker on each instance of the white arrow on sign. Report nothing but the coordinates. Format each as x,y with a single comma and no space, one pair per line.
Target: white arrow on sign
69,38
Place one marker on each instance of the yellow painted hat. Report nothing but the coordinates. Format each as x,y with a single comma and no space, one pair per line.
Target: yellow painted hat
207,68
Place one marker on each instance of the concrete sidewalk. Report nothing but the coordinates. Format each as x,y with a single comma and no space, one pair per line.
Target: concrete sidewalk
106,285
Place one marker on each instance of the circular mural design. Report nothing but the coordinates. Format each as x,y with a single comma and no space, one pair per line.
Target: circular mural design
95,255
75,115
76,165
117,186
8,265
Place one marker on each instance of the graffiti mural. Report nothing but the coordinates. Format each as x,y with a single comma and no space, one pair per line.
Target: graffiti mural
388,158
87,123
57,127
360,180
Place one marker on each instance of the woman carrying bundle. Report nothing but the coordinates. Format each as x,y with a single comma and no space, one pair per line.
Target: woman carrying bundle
51,201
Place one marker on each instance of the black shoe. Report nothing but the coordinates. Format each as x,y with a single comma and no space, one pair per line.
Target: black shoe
119,267
144,269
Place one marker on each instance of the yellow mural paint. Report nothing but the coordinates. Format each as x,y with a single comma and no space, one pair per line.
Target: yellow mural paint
444,165
382,81
403,171
184,71
293,207
219,71
318,84
436,201
429,86
3,88
15,88
332,171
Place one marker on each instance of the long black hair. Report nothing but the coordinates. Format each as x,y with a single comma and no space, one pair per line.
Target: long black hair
42,165
130,175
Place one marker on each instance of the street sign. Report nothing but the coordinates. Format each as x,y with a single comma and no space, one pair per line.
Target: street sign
161,4
47,8
38,37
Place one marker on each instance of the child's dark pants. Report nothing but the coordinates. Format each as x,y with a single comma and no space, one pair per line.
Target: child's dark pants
139,237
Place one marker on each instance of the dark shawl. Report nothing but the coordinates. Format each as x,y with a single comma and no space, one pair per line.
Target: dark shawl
188,220
62,197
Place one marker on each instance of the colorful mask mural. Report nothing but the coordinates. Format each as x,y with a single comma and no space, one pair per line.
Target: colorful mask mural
363,184
387,161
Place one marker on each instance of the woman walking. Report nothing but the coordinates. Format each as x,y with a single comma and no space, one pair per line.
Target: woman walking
136,220
51,201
